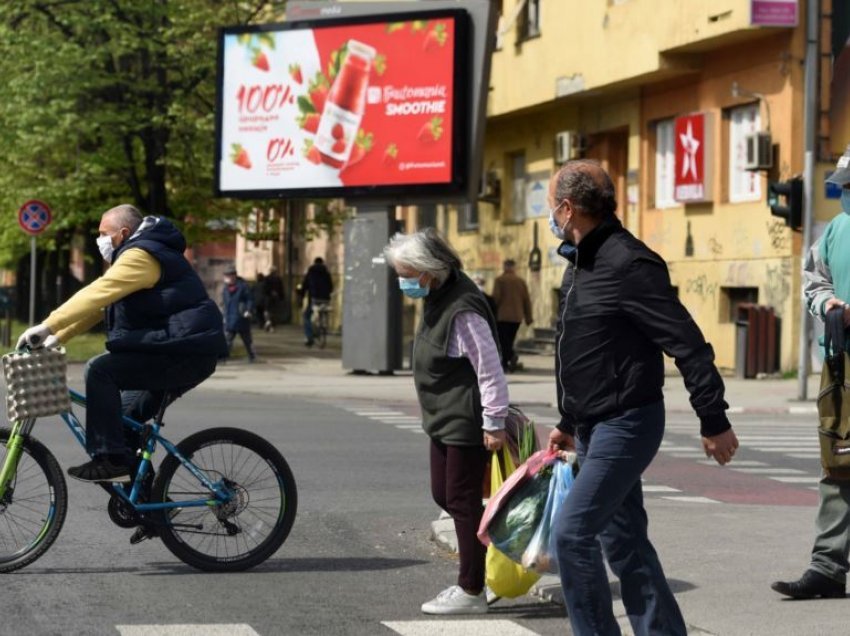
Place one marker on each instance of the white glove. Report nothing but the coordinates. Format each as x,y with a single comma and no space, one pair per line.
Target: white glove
246,314
34,337
52,342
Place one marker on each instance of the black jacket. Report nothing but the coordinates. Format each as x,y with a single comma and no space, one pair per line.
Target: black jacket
317,283
617,313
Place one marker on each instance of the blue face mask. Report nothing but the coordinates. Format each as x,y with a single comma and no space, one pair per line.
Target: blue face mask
410,287
556,229
845,200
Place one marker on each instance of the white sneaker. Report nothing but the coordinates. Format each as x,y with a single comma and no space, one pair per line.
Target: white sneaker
490,595
454,600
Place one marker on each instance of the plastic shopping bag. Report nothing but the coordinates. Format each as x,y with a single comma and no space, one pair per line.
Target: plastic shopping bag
540,555
503,576
512,493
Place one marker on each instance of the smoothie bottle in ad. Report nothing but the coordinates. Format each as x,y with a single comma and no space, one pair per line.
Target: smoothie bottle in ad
345,106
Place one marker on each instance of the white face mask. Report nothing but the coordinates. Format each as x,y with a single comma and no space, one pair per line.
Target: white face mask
104,244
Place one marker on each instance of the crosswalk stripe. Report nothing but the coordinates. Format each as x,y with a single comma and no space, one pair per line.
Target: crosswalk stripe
810,455
240,629
500,626
797,480
658,488
686,499
769,470
735,462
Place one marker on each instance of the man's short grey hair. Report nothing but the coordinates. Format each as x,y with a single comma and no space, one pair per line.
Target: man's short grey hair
127,216
425,251
588,187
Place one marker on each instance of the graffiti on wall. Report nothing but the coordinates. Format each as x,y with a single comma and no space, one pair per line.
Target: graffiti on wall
779,235
777,287
714,246
701,287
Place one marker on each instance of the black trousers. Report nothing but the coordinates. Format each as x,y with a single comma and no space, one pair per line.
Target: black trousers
134,384
507,335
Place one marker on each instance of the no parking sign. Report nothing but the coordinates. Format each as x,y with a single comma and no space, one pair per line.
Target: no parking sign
34,217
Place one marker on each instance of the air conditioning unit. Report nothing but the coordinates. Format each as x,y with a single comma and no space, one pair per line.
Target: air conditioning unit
759,151
568,145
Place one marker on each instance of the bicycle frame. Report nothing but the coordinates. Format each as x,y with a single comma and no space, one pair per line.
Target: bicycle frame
21,429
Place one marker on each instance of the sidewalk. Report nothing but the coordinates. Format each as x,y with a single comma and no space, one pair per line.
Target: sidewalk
306,371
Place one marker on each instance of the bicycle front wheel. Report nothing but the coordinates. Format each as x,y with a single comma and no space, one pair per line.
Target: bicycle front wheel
33,508
243,532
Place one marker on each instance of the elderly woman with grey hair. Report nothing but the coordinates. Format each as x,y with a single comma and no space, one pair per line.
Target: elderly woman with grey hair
462,392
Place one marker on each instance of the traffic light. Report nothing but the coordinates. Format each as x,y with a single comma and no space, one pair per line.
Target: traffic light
791,209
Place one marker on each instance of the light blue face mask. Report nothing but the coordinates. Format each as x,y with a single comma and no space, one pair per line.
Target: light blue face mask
553,224
845,200
410,287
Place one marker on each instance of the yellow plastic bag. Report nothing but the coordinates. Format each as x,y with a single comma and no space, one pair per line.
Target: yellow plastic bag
503,576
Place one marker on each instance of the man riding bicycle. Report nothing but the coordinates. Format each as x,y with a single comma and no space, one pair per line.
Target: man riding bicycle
317,287
164,334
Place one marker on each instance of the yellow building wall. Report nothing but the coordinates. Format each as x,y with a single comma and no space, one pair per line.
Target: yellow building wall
588,45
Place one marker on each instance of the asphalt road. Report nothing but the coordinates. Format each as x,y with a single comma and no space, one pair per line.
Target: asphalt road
359,559
359,554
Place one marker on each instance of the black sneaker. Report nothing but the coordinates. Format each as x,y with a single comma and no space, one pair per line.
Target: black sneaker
100,469
142,533
811,585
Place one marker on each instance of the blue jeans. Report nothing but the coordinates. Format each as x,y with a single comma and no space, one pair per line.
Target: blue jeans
604,512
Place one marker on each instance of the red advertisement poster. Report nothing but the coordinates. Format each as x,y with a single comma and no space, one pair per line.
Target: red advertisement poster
691,139
338,107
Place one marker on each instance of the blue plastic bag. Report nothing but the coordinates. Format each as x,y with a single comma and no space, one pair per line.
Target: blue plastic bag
540,555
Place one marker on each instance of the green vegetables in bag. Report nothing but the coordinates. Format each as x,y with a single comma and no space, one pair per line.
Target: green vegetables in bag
512,528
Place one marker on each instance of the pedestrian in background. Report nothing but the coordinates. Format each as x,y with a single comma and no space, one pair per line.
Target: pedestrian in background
618,313
258,289
826,285
463,395
238,309
275,295
316,287
513,303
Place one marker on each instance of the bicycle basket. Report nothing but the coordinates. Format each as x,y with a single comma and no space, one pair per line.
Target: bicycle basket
35,383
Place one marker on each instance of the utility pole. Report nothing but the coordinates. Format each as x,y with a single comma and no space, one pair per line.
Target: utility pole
810,138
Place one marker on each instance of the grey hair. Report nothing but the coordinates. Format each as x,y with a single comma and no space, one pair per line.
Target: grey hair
425,251
127,216
588,187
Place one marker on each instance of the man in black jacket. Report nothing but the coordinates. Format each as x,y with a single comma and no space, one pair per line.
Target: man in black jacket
317,286
618,313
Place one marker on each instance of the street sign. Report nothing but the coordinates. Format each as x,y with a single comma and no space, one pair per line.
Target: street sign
34,217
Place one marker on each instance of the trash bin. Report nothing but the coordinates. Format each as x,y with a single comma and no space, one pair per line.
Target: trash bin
757,342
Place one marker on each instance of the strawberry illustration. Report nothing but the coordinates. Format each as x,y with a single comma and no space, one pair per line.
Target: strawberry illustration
319,96
239,156
436,37
260,60
295,73
337,132
339,146
431,131
308,122
380,64
362,145
312,153
390,155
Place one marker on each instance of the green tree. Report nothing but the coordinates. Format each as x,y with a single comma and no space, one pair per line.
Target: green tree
107,101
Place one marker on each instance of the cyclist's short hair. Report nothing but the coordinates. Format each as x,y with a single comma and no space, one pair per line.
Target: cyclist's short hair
127,216
425,251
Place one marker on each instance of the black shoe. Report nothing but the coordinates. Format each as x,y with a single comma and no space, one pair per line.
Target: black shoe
811,585
308,343
141,534
101,469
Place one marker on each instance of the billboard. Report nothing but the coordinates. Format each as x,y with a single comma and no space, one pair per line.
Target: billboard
692,178
368,107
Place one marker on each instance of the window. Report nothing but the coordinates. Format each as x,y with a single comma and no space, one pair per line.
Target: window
732,298
518,179
744,185
467,217
528,20
665,164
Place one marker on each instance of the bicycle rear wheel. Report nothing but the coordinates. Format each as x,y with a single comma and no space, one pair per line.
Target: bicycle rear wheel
33,508
322,337
243,532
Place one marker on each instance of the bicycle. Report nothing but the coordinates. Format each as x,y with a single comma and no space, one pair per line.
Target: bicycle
321,313
223,499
